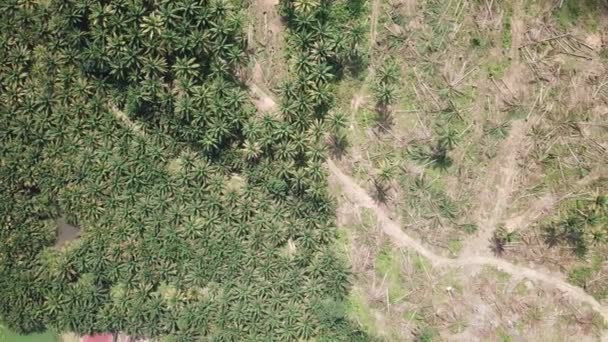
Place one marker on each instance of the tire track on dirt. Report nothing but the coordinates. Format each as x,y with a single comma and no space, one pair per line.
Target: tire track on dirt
391,228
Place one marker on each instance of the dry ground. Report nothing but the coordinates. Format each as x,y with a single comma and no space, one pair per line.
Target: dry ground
460,295
525,86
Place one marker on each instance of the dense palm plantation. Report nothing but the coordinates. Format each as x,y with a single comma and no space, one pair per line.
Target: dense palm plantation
208,222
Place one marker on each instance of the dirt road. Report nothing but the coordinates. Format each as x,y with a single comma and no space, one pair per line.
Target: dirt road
391,228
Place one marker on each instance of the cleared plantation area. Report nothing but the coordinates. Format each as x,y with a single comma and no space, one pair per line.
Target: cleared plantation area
482,127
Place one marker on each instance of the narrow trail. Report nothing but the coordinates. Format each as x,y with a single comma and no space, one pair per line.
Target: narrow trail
263,101
122,117
391,228
496,191
374,22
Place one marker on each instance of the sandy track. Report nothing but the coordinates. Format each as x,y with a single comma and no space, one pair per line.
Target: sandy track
391,228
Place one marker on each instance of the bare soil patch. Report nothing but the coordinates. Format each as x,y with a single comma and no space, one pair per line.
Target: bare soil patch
66,232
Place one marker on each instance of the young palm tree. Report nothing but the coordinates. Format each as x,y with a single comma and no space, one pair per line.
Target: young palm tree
383,178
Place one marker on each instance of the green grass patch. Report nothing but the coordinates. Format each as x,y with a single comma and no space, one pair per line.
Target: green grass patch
480,41
581,275
450,280
7,335
506,37
427,334
521,289
503,336
579,12
388,264
344,91
467,96
586,276
365,118
420,263
496,69
360,311
496,274
455,245
498,131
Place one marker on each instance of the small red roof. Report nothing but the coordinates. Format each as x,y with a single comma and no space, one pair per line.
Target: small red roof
98,338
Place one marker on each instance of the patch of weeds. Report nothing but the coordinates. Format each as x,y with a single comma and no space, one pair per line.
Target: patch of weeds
447,207
463,99
506,38
491,150
516,112
420,263
499,131
458,326
413,316
581,275
345,90
360,311
426,333
503,336
469,228
497,69
576,12
455,246
521,289
365,118
480,41
388,264
407,97
473,153
594,321
451,281
598,324
535,314
494,273
342,239
586,276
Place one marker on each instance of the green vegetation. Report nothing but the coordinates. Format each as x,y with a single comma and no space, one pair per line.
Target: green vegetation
385,92
192,215
388,266
584,12
9,336
128,118
582,224
501,237
358,309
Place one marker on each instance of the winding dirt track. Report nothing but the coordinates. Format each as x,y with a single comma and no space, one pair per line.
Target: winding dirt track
391,228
